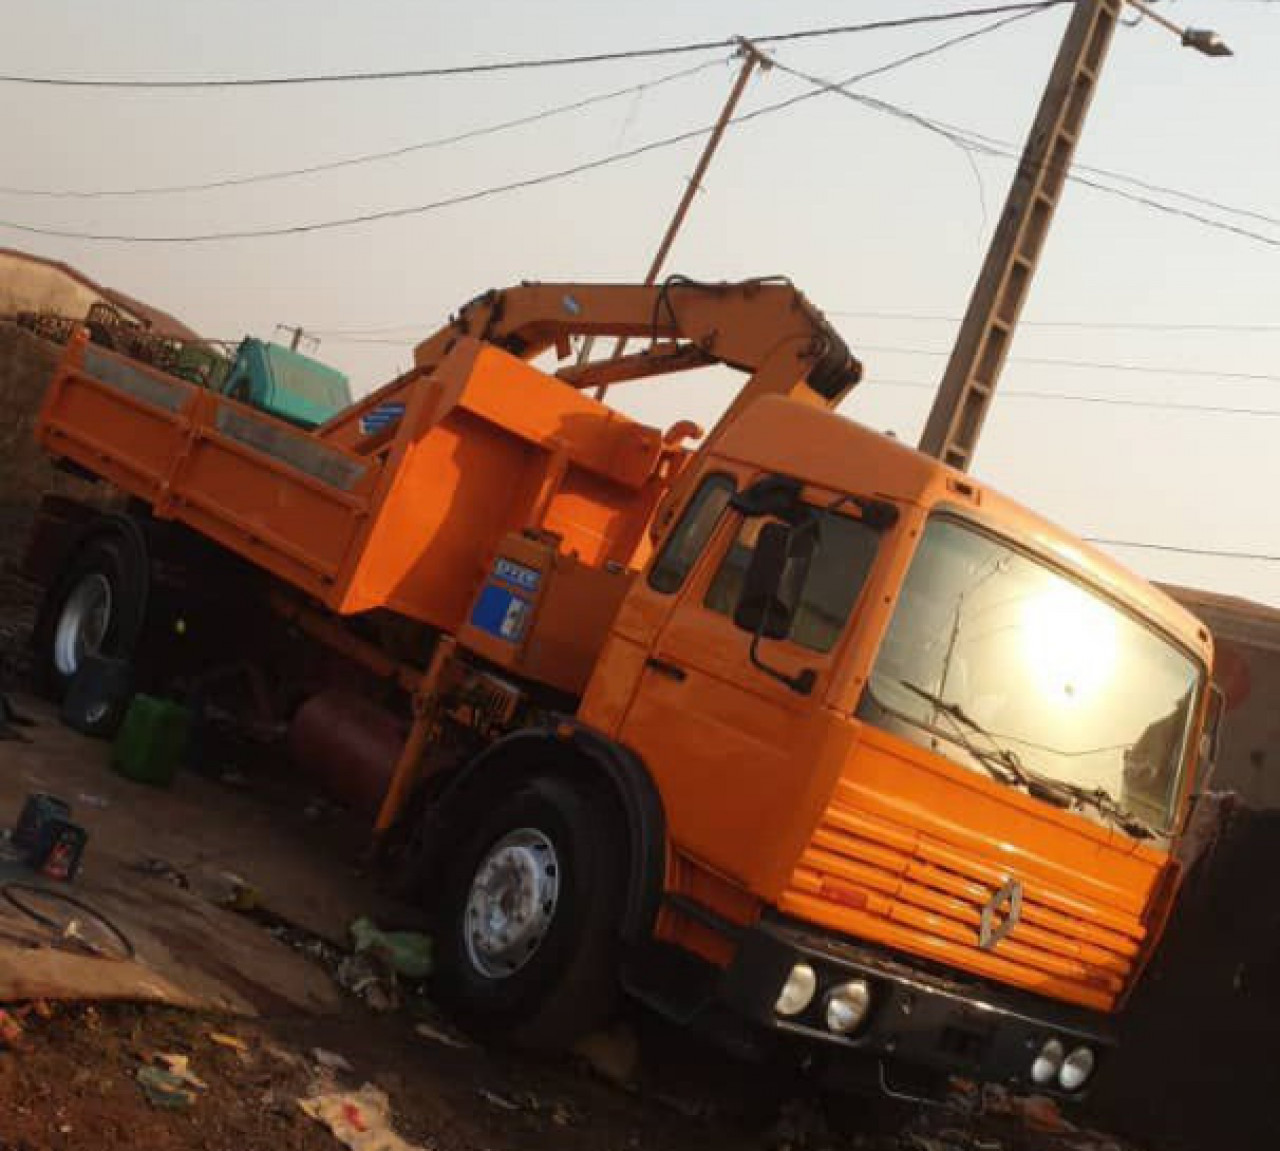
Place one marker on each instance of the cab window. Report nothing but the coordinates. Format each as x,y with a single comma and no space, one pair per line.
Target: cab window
687,539
841,561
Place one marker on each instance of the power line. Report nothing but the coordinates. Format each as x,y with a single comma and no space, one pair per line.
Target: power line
544,62
373,157
1216,553
1110,401
1021,13
1091,365
972,141
1099,325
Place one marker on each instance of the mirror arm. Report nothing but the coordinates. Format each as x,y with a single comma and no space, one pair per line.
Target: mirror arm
801,683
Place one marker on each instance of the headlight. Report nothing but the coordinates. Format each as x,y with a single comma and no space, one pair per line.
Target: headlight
1076,1069
797,992
847,1006
1048,1063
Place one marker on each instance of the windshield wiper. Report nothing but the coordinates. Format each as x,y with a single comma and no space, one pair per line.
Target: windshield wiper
1102,801
1058,791
1014,769
1003,767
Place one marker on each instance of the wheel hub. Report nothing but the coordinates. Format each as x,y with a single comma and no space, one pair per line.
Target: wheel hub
82,624
512,902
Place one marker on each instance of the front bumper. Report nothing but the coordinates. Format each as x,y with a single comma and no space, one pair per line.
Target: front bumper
917,1018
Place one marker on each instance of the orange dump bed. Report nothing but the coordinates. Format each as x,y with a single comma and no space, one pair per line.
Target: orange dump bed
407,518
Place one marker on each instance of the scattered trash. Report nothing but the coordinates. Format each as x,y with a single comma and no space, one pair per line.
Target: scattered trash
90,800
360,1119
1042,1113
371,980
37,811
429,1031
47,840
496,1100
331,1059
72,924
238,894
231,1042
179,1066
162,869
164,1089
562,1115
289,1058
407,952
614,1054
167,1081
11,1033
60,850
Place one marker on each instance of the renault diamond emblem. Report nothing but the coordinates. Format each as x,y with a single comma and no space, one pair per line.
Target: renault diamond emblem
1000,914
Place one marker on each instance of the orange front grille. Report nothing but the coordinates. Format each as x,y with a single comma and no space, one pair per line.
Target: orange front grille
873,878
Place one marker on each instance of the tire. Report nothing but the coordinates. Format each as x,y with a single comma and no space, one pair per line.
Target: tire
98,696
96,606
556,980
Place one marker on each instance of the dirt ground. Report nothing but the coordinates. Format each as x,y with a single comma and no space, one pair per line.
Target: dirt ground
70,1079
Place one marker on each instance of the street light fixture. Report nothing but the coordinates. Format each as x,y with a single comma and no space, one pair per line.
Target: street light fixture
1203,40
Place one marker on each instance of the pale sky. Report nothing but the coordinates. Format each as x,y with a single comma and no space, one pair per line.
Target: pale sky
865,213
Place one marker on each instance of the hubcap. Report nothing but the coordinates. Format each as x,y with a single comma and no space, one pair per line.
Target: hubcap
512,902
82,626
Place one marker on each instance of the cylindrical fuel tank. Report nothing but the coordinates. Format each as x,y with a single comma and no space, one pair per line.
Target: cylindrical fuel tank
348,744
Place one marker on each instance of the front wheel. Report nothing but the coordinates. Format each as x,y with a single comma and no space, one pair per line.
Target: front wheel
527,922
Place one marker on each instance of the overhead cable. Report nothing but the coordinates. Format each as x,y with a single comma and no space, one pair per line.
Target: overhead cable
913,21
1216,553
1098,325
1095,365
526,182
1106,401
970,140
372,157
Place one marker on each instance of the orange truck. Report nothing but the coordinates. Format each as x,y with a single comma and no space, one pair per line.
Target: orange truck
800,737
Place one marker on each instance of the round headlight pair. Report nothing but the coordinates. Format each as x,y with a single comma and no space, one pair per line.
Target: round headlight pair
846,1004
1069,1071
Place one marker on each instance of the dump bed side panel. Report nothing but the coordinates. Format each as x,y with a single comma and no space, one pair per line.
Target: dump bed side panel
277,496
488,445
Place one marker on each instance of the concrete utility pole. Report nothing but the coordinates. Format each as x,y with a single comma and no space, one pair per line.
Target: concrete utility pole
986,333
752,58
296,334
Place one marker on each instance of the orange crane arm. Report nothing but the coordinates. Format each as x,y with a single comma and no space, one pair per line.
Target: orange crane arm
765,328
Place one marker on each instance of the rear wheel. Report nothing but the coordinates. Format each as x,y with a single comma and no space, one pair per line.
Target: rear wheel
95,608
526,927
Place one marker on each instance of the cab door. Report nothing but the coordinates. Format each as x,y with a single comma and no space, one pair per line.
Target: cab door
733,748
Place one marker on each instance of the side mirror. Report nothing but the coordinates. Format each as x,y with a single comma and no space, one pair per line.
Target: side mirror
762,608
1211,738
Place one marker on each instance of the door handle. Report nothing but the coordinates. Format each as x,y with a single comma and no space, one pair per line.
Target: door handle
670,670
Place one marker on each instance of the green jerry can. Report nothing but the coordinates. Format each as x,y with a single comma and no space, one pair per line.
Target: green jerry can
152,740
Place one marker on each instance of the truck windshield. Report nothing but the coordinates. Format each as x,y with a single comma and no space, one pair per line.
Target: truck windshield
1044,671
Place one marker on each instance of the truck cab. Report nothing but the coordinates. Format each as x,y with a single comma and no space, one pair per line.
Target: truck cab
922,755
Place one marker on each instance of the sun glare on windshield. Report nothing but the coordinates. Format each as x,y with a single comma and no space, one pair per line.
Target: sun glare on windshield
1069,643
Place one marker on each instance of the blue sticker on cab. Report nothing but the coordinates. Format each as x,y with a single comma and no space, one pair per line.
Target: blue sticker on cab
501,613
